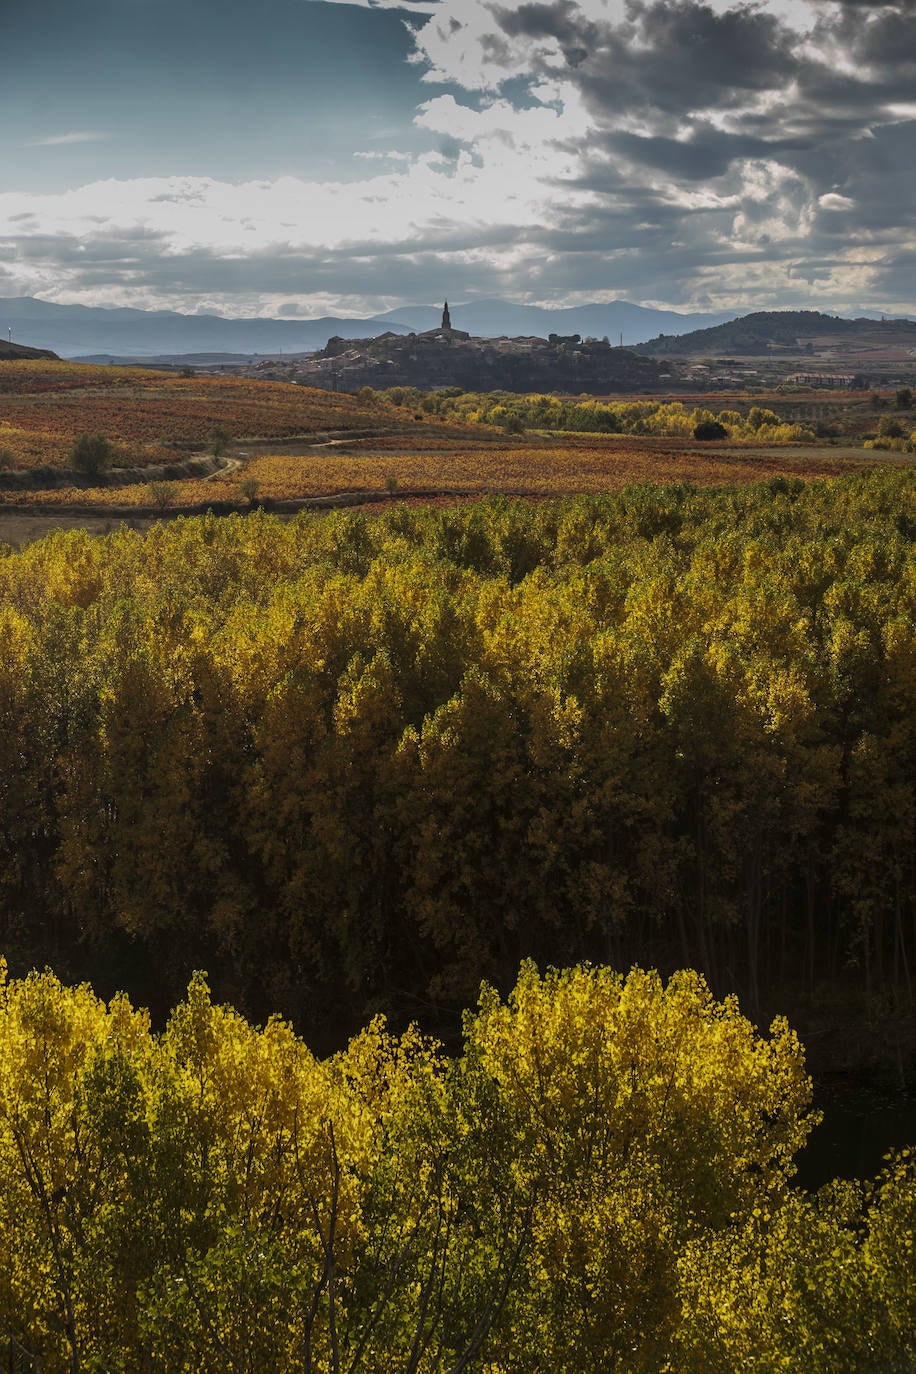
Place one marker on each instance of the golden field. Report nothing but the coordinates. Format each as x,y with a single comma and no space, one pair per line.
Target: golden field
151,416
154,418
514,469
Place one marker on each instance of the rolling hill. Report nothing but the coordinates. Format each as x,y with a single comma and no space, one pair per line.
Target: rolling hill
799,331
10,350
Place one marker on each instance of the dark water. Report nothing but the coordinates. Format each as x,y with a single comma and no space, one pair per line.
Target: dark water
854,1137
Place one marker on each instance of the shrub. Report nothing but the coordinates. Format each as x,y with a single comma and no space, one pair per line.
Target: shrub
162,494
893,445
249,489
219,439
91,454
758,416
710,429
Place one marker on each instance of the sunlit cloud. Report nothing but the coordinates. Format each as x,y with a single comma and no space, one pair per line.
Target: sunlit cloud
695,153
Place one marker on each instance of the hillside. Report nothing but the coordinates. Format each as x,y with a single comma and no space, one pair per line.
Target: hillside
800,332
11,351
451,358
152,417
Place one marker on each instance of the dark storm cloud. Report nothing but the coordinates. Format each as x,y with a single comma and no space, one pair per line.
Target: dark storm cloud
894,276
559,20
673,62
666,56
705,154
794,130
670,150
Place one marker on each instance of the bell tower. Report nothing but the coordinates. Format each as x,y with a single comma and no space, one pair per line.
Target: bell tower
446,318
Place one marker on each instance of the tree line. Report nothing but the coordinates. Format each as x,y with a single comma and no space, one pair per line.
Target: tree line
540,411
355,763
599,1181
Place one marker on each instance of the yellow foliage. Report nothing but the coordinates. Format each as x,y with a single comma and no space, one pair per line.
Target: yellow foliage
599,1182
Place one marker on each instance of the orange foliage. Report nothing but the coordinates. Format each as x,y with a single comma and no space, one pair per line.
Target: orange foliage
150,415
511,469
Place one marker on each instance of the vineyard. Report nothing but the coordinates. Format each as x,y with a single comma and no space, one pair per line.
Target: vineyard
404,443
540,470
151,416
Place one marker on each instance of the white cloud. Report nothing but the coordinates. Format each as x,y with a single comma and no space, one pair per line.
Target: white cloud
418,207
832,201
537,130
78,136
665,149
415,6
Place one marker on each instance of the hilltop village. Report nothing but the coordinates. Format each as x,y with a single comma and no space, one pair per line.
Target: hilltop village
446,356
798,350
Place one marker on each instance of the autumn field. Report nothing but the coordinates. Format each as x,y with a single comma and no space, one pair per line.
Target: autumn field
293,444
510,469
150,416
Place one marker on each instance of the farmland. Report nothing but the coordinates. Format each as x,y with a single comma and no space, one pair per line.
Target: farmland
151,416
525,469
293,444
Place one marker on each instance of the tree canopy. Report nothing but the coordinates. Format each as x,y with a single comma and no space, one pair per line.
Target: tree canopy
599,1180
355,763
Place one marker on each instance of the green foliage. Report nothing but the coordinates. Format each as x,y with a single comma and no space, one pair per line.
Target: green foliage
219,439
598,1181
91,454
710,429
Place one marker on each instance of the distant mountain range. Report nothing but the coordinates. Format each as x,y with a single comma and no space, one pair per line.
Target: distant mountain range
101,334
490,318
76,331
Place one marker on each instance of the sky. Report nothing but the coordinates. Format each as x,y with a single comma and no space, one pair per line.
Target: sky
309,157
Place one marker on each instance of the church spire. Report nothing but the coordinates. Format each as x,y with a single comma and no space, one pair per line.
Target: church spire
446,318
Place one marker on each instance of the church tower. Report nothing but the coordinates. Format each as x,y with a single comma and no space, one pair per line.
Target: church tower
446,318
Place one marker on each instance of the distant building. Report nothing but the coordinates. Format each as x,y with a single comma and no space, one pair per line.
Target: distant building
444,333
823,380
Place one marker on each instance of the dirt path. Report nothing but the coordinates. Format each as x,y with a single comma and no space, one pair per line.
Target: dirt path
20,527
